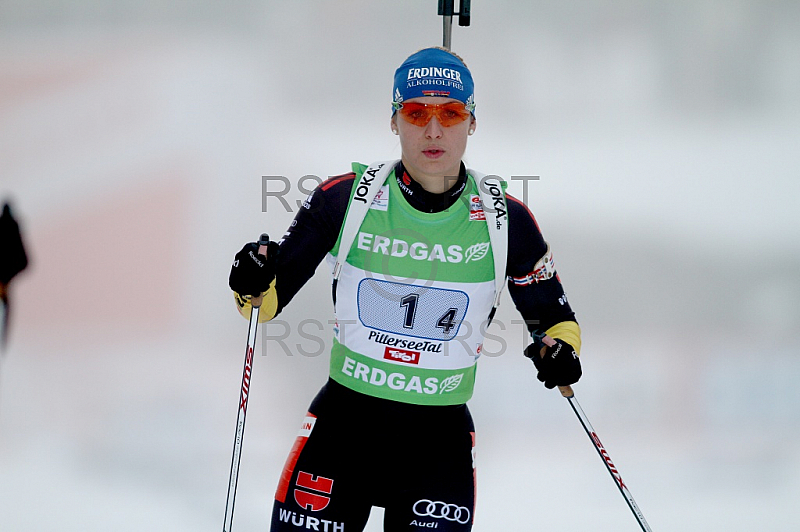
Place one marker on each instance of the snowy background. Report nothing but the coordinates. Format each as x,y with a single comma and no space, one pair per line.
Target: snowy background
133,141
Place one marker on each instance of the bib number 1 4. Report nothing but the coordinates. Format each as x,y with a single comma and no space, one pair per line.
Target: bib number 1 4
447,321
418,311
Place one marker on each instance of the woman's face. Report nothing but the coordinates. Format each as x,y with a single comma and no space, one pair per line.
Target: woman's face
432,153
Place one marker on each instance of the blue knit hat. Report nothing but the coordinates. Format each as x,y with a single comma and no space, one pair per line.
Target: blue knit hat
433,72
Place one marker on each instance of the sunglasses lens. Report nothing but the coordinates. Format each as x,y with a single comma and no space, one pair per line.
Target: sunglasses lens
451,114
420,114
416,113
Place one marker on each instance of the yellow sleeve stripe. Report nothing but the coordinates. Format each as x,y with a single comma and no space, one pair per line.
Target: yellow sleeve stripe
269,305
568,331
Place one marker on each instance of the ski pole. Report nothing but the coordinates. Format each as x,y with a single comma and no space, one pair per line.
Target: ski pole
447,10
255,301
567,392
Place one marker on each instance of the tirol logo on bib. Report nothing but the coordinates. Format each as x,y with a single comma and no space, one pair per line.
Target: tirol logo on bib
401,355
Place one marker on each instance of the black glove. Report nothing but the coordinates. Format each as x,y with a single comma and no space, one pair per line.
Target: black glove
560,365
251,273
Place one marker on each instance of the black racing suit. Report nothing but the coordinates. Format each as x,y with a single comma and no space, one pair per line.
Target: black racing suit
357,451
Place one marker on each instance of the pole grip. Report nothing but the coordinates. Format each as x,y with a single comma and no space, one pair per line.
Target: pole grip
566,391
446,10
263,241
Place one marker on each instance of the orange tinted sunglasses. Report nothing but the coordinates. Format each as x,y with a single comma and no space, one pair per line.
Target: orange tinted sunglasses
448,114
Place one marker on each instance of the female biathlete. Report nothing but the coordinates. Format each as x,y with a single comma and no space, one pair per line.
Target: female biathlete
420,250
